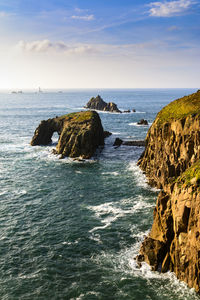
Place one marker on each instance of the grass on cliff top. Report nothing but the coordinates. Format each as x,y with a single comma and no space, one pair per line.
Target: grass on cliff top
191,176
77,116
180,108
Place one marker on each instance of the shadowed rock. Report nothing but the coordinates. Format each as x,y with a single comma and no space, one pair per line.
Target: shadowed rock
99,104
79,134
171,162
142,122
118,142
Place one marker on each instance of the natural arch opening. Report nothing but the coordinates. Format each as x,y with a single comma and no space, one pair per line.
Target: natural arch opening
55,138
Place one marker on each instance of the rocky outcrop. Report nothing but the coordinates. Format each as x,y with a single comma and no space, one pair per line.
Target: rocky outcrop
79,134
171,162
142,122
118,142
99,104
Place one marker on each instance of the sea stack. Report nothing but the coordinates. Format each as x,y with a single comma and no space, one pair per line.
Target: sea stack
171,162
99,104
80,134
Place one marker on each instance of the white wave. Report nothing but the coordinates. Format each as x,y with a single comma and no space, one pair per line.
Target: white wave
20,192
124,263
139,176
3,193
45,153
90,294
109,212
137,125
111,173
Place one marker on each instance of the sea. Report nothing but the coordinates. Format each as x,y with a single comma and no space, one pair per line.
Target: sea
71,230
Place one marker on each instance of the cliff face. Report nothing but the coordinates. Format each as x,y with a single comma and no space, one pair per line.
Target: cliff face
79,134
171,162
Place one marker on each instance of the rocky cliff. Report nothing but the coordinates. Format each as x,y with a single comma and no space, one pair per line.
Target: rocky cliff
99,104
171,162
79,134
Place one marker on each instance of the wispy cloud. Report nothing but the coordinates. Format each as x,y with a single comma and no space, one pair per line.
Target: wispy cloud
4,14
169,8
173,28
44,46
83,18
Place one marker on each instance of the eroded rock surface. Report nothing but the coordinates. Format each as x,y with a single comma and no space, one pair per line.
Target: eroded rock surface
79,134
99,104
171,162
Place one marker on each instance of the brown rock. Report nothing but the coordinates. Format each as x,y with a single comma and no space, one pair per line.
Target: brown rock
79,134
171,161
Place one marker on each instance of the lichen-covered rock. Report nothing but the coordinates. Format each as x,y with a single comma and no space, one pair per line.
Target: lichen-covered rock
79,134
171,162
99,104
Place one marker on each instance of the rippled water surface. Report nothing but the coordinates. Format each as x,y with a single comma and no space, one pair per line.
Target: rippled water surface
71,230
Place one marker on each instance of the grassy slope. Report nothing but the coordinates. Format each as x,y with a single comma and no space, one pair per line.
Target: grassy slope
77,116
191,176
180,108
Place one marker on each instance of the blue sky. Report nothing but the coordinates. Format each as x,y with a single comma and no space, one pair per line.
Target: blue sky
124,43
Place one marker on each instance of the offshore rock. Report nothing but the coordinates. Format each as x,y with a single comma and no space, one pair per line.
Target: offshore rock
142,122
79,134
171,162
99,104
118,142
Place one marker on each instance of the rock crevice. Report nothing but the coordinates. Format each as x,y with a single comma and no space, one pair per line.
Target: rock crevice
171,161
79,134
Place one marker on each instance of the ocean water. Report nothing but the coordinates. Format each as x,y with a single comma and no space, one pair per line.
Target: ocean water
71,230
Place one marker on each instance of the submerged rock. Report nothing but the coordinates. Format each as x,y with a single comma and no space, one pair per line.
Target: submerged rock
99,104
79,134
171,162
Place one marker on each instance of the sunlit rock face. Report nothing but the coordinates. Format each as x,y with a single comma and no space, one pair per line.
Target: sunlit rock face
99,104
171,161
79,134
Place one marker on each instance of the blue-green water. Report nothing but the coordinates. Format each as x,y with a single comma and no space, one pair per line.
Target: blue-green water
71,230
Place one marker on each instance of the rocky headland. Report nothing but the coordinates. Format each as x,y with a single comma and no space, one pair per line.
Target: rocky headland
99,104
171,162
80,134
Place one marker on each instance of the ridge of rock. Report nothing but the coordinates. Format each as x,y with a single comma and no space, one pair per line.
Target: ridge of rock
171,162
79,134
99,104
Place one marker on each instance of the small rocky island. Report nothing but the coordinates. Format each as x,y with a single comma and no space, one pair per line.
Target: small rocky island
80,134
171,161
99,104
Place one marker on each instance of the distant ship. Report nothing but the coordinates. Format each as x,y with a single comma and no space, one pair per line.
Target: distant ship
39,90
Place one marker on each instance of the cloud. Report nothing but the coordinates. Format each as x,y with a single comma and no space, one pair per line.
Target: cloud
173,28
44,46
169,8
83,18
4,14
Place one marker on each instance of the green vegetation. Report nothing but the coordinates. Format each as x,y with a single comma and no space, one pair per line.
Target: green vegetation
180,108
191,176
77,116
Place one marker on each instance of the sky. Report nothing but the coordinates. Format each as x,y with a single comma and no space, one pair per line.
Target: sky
99,44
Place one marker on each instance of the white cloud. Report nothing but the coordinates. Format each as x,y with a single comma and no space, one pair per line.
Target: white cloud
169,8
83,18
44,46
4,14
